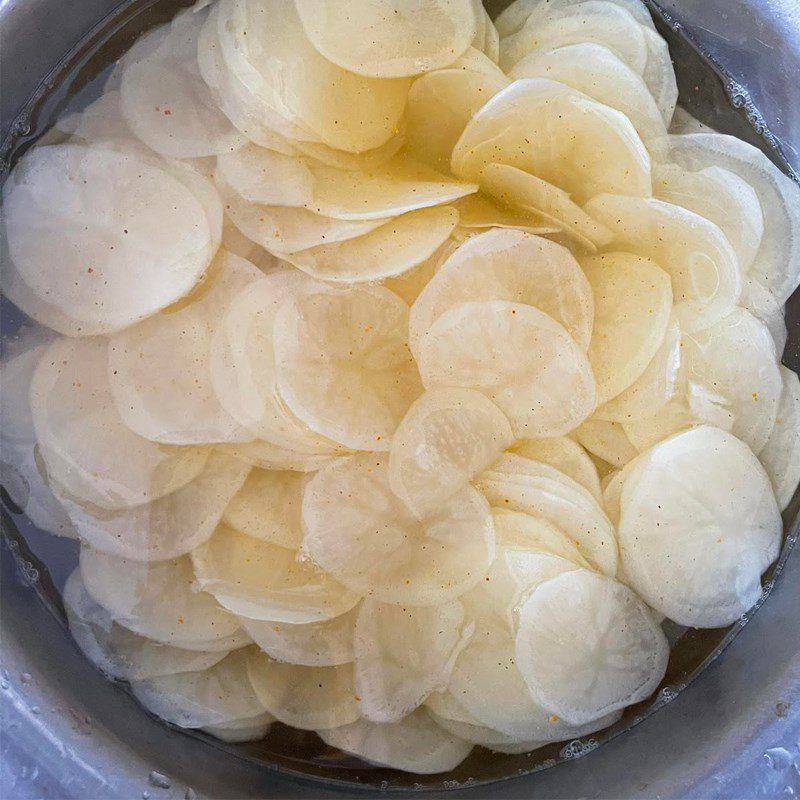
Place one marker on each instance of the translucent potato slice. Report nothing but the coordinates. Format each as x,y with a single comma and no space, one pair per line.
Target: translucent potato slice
706,280
699,524
606,440
259,580
359,532
266,455
632,305
588,646
128,238
119,652
559,135
157,600
671,418
520,358
513,266
414,744
209,697
160,373
736,361
777,263
478,212
566,456
473,731
387,39
242,730
267,507
343,365
165,528
409,285
763,305
309,698
165,100
391,249
780,456
402,654
447,437
684,123
99,121
520,531
311,644
594,70
81,435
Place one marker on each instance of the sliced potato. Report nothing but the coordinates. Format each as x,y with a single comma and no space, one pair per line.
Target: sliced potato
566,456
606,440
242,730
266,455
520,531
672,417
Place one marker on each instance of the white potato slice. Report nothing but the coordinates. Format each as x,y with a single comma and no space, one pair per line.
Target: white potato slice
588,646
81,435
386,38
632,305
699,524
164,99
402,654
519,484
159,370
165,528
128,238
414,744
706,280
341,159
256,579
409,285
521,531
266,455
357,530
777,263
309,698
242,730
473,731
513,266
735,360
100,121
780,456
157,600
311,644
566,456
477,212
519,357
343,364
236,243
392,249
559,135
268,507
684,123
606,440
212,696
447,437
669,419
763,305
118,652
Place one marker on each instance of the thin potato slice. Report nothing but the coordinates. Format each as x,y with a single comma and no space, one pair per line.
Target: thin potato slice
671,418
471,729
266,455
520,358
447,437
242,730
521,531
763,305
259,580
359,532
566,456
699,524
606,440
477,212
409,285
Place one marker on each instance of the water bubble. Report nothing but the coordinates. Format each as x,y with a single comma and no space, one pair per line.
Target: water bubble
577,748
190,794
159,780
778,758
26,677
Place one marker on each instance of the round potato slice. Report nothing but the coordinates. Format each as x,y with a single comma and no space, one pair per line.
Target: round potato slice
477,212
309,698
705,275
359,532
519,357
128,238
606,440
559,135
402,654
508,265
415,744
343,365
588,646
311,644
266,455
100,121
385,38
671,418
242,730
736,361
566,456
699,524
447,437
521,531
81,435
763,305
259,580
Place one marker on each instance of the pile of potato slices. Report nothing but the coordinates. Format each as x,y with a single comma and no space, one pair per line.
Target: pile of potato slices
400,371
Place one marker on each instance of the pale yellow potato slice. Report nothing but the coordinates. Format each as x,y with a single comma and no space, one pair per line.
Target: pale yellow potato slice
409,285
402,654
309,698
763,305
706,280
559,135
513,266
256,579
478,212
699,524
387,38
671,418
343,364
566,456
242,730
606,440
414,744
266,455
521,531
447,437
360,533
520,358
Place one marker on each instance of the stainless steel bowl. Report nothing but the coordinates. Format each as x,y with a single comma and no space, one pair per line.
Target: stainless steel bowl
728,715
